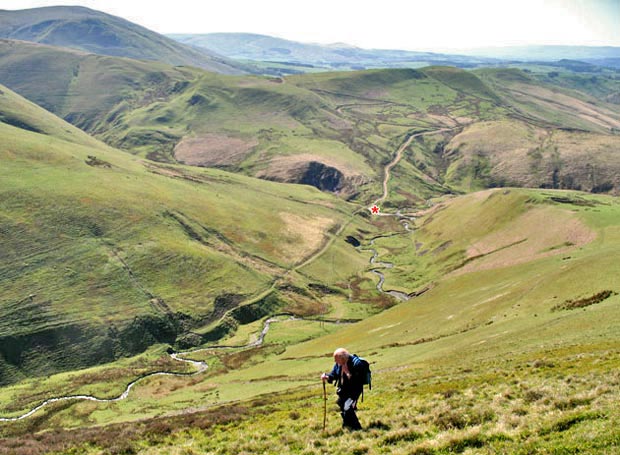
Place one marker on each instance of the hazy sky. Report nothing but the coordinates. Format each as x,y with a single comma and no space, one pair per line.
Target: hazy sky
395,24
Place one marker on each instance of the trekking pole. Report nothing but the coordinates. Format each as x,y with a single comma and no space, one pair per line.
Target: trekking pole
324,405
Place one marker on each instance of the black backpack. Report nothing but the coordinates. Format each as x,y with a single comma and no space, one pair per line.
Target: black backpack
363,367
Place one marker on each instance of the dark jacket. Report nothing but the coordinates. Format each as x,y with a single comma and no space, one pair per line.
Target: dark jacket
347,387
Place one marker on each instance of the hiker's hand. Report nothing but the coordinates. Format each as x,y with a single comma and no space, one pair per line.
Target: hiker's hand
324,377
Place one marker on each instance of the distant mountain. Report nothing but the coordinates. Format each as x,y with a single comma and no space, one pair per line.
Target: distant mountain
294,57
598,55
96,32
247,46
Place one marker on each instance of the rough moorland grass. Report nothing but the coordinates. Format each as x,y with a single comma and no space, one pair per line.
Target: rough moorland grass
493,317
515,153
448,409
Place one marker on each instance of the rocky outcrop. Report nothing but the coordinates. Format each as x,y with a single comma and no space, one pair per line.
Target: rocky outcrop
323,177
315,173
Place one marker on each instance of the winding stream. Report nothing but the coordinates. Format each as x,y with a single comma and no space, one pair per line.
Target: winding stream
405,220
200,367
385,265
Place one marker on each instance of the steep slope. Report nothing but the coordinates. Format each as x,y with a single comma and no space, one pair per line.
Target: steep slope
104,254
86,89
23,114
515,153
515,344
99,33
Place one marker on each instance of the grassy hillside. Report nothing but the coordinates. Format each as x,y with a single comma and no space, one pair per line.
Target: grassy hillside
544,103
336,131
99,33
601,83
23,114
105,254
512,350
514,153
85,89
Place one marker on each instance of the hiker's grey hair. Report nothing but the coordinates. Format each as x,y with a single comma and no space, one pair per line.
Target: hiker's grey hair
341,353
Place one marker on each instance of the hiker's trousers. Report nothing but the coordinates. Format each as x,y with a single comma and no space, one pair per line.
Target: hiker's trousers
347,411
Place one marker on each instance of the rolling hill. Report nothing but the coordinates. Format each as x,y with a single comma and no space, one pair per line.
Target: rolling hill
85,88
104,254
484,293
99,33
337,131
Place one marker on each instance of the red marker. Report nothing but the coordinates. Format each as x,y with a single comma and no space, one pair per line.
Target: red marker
374,210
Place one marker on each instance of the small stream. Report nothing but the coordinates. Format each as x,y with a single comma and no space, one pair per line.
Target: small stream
200,367
402,296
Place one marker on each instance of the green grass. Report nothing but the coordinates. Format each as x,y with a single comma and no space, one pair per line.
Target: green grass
90,247
564,401
20,113
485,311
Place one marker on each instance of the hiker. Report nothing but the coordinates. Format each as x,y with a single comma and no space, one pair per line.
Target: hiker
349,382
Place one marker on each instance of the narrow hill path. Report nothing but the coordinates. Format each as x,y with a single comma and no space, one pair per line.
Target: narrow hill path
398,157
